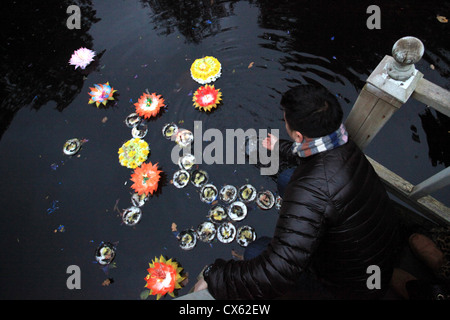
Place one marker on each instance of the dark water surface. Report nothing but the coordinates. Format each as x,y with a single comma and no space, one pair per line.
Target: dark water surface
265,47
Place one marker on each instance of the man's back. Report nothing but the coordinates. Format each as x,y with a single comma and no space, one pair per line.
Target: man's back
358,227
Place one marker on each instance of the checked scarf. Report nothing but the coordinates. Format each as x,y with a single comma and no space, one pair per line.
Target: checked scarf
310,146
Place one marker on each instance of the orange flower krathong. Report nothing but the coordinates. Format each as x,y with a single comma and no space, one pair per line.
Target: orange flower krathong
149,105
207,98
163,277
146,178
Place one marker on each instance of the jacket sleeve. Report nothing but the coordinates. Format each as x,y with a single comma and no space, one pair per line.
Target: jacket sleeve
276,271
285,151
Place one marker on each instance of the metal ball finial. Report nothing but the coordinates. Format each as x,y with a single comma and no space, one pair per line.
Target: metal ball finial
406,52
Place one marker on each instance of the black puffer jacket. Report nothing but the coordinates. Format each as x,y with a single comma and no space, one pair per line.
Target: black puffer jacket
335,219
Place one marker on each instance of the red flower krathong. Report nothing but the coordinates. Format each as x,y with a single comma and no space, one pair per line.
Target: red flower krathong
163,277
146,178
149,105
207,98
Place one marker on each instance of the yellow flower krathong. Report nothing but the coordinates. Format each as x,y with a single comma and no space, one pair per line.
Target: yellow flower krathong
206,70
163,277
133,153
207,98
149,105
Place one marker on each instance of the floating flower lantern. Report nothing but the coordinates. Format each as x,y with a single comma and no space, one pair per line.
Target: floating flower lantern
169,130
208,193
187,239
237,211
101,94
105,253
82,58
245,235
217,214
133,153
72,146
199,178
206,70
278,202
186,162
247,193
265,200
228,193
149,105
146,178
206,231
184,138
207,98
139,131
133,120
181,178
131,216
226,232
163,277
138,200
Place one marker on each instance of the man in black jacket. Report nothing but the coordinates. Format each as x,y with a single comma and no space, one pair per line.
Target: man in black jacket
336,232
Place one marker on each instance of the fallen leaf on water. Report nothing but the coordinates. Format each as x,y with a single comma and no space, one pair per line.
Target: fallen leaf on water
174,227
441,19
104,119
107,282
237,255
250,65
144,294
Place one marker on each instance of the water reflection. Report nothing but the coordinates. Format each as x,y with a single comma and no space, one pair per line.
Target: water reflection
36,52
437,130
327,29
195,20
265,47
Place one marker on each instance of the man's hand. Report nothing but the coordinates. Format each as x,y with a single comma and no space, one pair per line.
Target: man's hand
200,285
270,141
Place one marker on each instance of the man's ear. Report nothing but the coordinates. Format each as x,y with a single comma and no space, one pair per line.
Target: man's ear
298,137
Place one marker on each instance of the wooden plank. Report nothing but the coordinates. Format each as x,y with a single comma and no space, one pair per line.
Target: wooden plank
433,96
428,206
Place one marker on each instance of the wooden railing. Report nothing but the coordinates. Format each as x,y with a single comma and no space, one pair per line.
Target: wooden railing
390,85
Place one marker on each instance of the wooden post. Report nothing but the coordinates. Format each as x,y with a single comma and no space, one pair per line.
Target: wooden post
388,87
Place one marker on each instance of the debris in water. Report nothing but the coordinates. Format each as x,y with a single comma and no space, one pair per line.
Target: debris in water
53,207
107,282
61,228
441,19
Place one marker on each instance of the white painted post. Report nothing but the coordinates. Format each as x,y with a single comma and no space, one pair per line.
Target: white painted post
388,87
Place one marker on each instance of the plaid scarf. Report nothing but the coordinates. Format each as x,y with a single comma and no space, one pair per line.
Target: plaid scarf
311,146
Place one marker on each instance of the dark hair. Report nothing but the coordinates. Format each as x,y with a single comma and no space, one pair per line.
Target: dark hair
312,110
